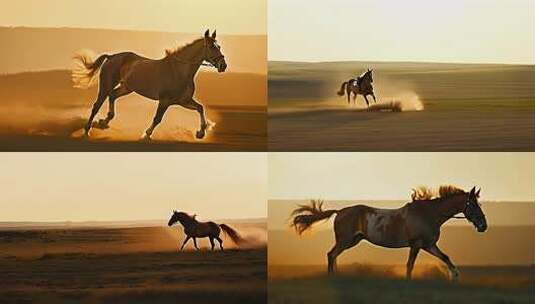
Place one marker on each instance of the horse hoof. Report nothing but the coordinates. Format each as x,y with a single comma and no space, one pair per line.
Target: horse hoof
200,134
145,138
454,276
102,124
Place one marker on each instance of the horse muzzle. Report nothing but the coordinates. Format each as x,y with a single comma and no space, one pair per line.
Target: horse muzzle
481,227
221,65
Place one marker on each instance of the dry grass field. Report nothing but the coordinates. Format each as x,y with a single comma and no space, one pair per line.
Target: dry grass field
448,107
128,265
383,284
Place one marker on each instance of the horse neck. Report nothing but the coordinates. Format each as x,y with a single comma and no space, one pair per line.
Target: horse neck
449,206
192,54
187,221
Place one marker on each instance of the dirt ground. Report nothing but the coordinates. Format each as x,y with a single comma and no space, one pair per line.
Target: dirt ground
50,116
128,265
460,108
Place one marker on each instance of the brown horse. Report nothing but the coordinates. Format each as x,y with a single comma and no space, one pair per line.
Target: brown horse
415,225
362,85
195,229
169,80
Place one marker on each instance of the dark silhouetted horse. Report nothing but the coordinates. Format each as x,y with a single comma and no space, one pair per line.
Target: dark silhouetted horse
195,229
360,86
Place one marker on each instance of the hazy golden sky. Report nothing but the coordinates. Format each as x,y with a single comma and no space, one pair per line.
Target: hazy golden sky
188,16
131,186
379,176
410,30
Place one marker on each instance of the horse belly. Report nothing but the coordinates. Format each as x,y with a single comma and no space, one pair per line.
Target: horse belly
387,228
144,79
204,230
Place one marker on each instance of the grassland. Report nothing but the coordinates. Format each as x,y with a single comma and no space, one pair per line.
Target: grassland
366,284
466,107
126,265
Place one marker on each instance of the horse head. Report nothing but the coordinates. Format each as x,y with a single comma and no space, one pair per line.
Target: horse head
174,218
369,74
213,52
473,212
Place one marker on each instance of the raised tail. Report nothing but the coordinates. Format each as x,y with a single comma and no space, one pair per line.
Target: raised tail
306,215
86,69
343,88
233,234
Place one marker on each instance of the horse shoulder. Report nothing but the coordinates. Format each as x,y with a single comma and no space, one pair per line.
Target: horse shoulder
420,222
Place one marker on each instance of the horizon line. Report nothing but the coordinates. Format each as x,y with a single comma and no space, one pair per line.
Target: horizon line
401,61
2,222
120,29
396,200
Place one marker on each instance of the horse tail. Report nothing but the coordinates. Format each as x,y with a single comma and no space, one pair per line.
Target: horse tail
343,88
306,215
233,234
84,73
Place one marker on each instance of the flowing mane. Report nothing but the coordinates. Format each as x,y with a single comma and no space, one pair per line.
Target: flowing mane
424,193
365,74
191,217
178,50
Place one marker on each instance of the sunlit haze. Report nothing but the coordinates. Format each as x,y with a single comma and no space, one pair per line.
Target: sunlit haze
379,176
475,31
185,16
131,186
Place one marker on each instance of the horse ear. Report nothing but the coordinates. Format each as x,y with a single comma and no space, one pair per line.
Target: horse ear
477,193
472,192
207,34
214,34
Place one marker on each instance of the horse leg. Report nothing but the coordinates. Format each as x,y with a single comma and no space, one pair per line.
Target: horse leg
184,243
160,111
106,84
412,258
338,248
194,105
212,243
96,107
434,250
366,98
116,93
195,243
331,257
374,100
220,242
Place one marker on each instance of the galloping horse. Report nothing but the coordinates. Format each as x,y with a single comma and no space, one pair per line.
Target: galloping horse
415,225
362,85
169,80
195,229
